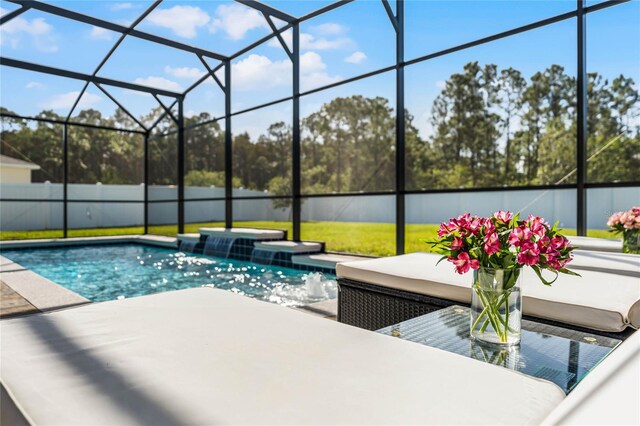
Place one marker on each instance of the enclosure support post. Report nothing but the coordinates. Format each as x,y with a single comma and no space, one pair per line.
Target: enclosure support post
65,178
296,151
228,146
581,140
146,183
181,164
400,130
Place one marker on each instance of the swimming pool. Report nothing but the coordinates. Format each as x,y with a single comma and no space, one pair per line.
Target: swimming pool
110,272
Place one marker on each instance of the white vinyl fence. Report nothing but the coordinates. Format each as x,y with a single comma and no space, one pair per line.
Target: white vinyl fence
89,212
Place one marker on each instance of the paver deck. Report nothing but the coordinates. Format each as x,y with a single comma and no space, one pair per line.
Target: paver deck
13,304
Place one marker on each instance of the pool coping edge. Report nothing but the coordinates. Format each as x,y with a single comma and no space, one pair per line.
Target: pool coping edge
44,294
154,240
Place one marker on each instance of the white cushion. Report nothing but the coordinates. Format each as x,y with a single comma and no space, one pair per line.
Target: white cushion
601,261
609,394
206,356
597,300
597,244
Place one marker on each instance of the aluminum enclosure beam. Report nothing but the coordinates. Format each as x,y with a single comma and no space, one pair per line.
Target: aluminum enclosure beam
14,63
9,16
581,118
261,7
76,16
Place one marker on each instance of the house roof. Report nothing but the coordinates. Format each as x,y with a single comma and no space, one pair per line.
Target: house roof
6,161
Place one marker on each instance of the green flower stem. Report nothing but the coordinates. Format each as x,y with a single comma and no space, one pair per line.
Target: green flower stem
493,315
492,311
506,315
484,325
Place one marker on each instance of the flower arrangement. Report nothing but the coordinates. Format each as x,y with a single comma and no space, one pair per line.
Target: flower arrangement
628,224
503,241
497,248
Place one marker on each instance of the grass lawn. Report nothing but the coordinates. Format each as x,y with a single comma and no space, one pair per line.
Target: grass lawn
375,239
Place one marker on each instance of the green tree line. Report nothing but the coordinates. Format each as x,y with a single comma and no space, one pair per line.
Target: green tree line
488,127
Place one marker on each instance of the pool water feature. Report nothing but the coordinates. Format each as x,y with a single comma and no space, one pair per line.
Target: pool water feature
110,272
218,246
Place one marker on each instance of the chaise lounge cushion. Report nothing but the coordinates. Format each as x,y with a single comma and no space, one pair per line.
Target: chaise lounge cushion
207,356
612,263
597,300
597,244
609,394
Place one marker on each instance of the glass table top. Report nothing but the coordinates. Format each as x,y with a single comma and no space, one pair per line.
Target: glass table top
556,354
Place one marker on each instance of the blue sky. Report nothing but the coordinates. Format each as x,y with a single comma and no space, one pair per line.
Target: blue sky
346,42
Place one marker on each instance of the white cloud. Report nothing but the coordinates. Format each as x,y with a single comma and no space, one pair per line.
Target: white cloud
311,42
121,6
184,72
184,21
41,33
356,57
317,79
441,84
159,83
313,72
259,72
329,28
66,101
237,20
99,33
311,62
35,85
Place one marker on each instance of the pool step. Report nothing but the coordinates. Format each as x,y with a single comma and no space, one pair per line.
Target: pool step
280,253
323,260
290,246
192,238
244,233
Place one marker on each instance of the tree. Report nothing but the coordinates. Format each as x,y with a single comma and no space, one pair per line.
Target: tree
511,86
466,128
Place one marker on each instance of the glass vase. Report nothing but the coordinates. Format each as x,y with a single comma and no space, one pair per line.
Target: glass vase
496,306
631,241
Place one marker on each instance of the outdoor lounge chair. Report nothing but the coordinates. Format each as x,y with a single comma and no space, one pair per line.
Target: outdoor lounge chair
609,395
208,356
375,293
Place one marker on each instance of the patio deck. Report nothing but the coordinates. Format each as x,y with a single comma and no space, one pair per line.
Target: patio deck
12,304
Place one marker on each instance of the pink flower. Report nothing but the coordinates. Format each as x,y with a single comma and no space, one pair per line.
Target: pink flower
553,262
630,223
464,262
489,227
537,225
475,226
504,217
614,219
457,243
446,229
529,255
623,217
559,242
520,235
491,243
546,246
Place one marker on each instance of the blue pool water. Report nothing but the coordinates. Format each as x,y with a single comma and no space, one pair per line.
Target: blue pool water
111,272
